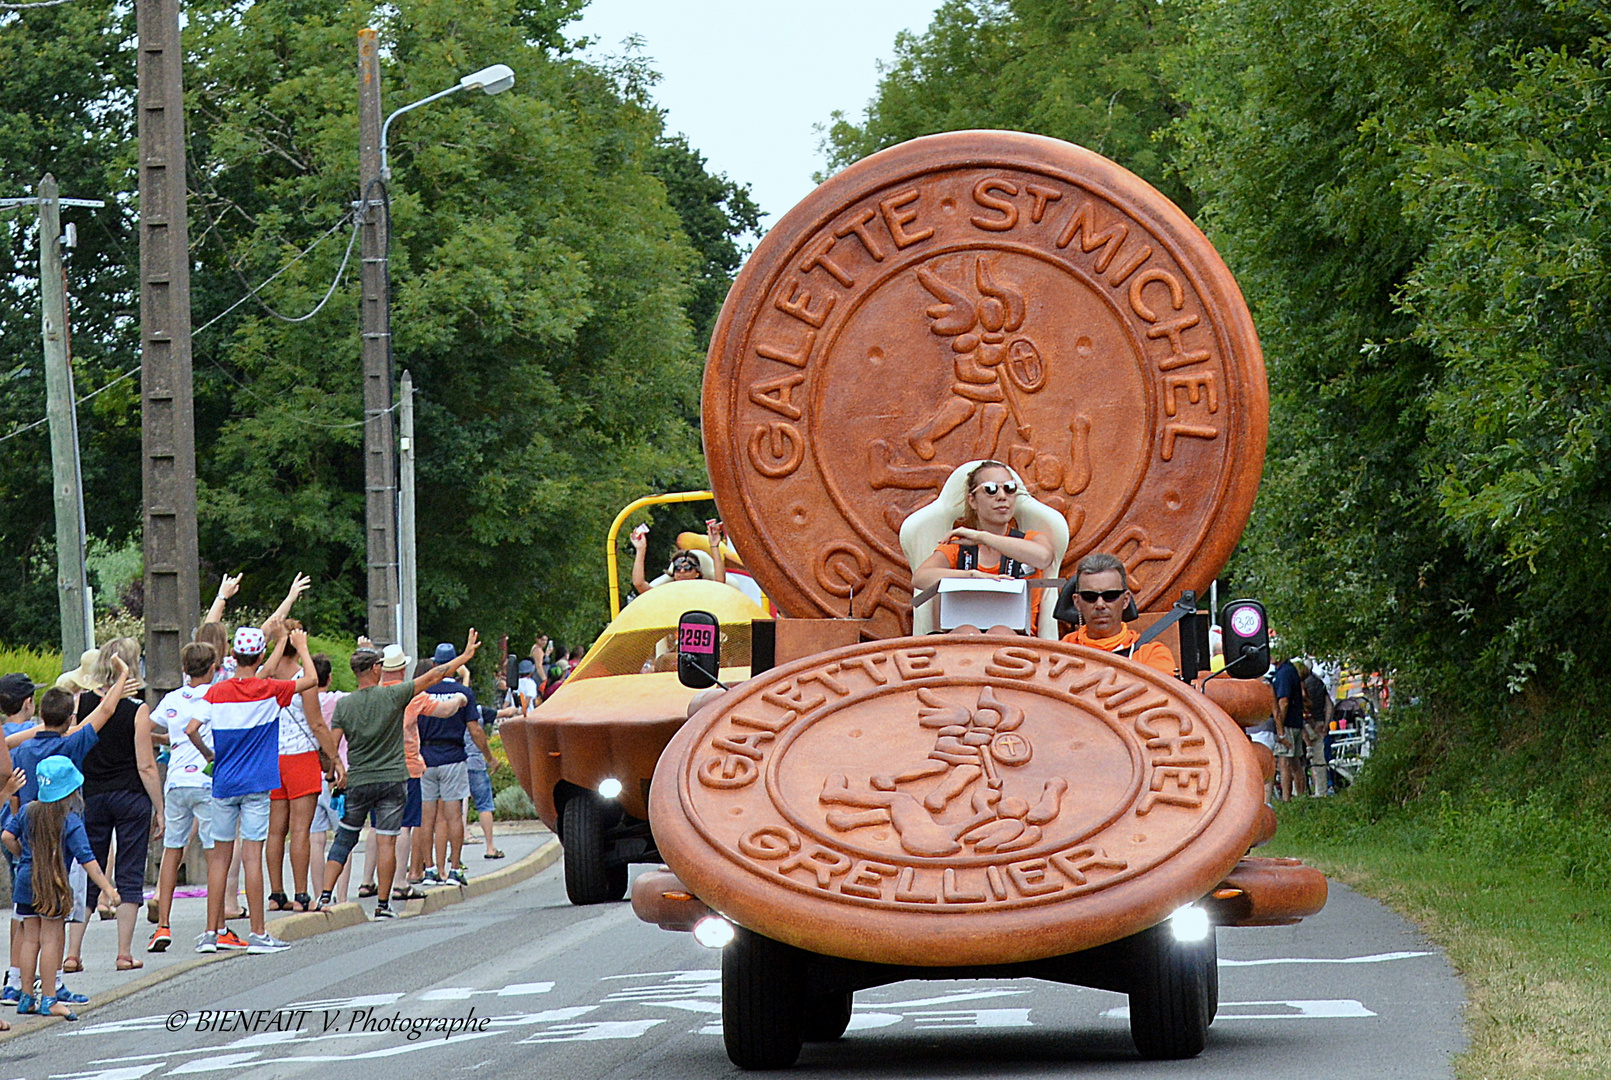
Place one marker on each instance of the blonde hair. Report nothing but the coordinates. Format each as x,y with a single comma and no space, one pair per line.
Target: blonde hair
125,647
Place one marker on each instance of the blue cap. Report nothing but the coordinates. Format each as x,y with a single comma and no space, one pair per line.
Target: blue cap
58,778
444,652
526,667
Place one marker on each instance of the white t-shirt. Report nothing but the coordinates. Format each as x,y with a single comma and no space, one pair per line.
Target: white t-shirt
173,715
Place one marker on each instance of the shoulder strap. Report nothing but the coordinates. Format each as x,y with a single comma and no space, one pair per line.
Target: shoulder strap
1186,605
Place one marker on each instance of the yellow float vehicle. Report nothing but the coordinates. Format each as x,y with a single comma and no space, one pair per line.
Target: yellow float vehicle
586,755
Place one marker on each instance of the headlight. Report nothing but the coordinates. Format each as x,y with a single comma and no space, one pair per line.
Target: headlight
1190,924
610,787
713,932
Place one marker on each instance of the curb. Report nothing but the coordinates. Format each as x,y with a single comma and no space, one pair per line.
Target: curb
311,924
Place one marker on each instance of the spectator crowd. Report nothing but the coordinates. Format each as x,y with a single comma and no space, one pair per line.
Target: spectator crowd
276,774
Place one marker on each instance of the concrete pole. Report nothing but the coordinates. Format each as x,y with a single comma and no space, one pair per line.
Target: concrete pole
66,484
407,561
380,467
167,414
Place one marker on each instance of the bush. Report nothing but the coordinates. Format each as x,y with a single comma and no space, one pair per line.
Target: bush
513,804
40,665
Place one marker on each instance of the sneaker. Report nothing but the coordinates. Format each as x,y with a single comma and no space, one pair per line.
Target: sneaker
458,876
10,995
384,910
64,994
432,878
265,943
207,941
161,938
228,939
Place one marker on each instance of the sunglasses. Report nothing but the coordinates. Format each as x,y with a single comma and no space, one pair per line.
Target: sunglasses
1091,596
992,487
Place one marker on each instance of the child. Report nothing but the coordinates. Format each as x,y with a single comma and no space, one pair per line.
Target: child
44,836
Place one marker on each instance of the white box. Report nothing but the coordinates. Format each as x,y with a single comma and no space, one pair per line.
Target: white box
982,602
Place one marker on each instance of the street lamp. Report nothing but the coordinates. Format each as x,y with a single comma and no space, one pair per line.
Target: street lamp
490,80
389,511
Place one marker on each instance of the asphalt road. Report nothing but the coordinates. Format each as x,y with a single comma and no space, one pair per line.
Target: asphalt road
547,989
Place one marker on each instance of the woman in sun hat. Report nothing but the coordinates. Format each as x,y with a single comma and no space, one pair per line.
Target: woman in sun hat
45,836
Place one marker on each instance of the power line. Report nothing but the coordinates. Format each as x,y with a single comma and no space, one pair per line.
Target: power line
250,295
34,4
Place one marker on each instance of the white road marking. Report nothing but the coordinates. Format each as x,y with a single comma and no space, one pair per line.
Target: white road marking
132,1072
464,993
947,999
1333,1009
972,1018
364,1001
704,975
425,1043
604,1029
1377,958
548,1016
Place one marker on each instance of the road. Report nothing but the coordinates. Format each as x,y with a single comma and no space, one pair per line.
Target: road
541,988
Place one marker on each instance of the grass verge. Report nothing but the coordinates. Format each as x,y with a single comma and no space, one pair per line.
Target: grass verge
1516,895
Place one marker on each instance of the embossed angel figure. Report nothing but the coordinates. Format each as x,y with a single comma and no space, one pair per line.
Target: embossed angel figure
970,747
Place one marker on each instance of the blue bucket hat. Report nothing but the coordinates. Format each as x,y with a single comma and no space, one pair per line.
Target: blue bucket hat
444,652
58,778
527,667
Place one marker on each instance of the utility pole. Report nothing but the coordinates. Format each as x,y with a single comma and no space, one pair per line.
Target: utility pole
168,424
67,485
407,553
380,476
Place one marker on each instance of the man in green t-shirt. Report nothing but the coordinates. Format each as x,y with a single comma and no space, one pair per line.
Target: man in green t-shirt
371,718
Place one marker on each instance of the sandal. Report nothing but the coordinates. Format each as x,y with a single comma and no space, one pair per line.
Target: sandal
498,854
366,891
47,1007
410,893
302,902
277,901
72,965
129,963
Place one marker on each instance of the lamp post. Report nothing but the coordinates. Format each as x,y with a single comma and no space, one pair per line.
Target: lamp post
387,604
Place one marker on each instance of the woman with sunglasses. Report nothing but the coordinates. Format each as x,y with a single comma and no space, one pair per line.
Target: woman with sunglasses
986,543
1101,591
684,565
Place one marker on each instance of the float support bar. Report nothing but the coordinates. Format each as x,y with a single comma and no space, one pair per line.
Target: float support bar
615,530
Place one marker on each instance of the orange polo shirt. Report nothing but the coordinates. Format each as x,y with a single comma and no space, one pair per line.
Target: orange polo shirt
1155,654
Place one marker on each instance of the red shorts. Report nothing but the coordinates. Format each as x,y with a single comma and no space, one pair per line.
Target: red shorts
299,775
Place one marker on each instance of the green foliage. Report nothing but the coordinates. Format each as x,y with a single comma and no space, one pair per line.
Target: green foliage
513,804
554,255
1093,73
1384,180
40,665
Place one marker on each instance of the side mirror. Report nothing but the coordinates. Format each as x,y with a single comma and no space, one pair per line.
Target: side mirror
698,650
1246,632
511,673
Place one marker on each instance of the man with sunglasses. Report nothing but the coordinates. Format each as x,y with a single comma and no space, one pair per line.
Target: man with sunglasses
1101,591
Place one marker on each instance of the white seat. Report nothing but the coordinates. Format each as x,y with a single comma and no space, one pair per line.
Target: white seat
927,526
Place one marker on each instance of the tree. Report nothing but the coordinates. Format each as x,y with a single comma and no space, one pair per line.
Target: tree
1094,73
66,109
544,287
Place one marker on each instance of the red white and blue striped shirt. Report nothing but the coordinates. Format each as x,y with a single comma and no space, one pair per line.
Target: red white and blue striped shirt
245,719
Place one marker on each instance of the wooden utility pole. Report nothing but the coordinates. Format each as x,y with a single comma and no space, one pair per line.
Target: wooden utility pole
168,437
67,487
380,467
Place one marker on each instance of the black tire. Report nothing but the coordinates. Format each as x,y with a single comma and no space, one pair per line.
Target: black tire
588,880
826,1018
1173,994
763,1002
